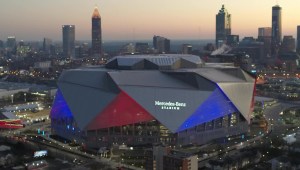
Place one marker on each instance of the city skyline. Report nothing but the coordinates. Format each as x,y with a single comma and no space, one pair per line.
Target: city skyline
135,20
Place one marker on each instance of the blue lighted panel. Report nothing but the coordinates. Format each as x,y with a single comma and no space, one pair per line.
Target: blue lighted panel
217,105
60,108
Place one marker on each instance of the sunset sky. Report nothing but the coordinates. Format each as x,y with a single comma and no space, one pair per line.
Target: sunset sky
140,19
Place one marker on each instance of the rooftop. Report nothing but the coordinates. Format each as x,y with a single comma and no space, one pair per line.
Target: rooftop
154,62
96,13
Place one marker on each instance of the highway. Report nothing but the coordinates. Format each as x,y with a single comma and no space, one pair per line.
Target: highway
56,148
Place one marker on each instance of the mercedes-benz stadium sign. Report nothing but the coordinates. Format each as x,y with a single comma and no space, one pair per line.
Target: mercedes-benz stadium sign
169,105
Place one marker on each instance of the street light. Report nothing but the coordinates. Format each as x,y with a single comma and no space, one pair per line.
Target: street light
25,97
12,98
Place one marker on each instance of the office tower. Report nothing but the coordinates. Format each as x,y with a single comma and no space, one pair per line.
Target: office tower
11,42
21,43
68,40
265,36
85,49
233,40
254,49
209,47
223,26
46,45
1,44
264,32
53,49
288,44
78,51
298,38
186,49
161,44
276,29
96,33
155,42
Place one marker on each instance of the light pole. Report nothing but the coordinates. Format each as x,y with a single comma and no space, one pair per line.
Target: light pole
12,98
25,97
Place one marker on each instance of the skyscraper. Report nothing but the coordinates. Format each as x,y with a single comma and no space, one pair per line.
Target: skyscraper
96,33
276,28
223,26
265,36
264,32
288,44
161,44
1,44
46,45
11,42
298,38
233,40
68,40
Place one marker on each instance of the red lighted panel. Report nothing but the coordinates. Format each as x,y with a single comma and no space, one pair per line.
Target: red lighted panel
122,110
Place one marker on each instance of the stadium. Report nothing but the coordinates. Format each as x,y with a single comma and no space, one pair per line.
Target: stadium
144,99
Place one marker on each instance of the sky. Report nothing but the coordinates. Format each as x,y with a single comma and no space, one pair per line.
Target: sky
140,19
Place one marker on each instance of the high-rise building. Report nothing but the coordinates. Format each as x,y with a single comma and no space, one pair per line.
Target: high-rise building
254,49
78,51
223,26
276,28
21,43
22,49
233,40
265,36
1,44
298,38
156,157
161,44
46,45
288,44
264,32
11,42
96,33
68,40
186,49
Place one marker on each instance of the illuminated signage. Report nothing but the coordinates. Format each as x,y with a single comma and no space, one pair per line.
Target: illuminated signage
169,105
40,153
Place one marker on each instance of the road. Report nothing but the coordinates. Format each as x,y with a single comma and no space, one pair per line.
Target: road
272,112
58,147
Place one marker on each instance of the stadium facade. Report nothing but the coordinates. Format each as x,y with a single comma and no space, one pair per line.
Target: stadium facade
141,99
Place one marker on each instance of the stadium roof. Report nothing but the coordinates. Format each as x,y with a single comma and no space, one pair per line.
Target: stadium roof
155,62
93,94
